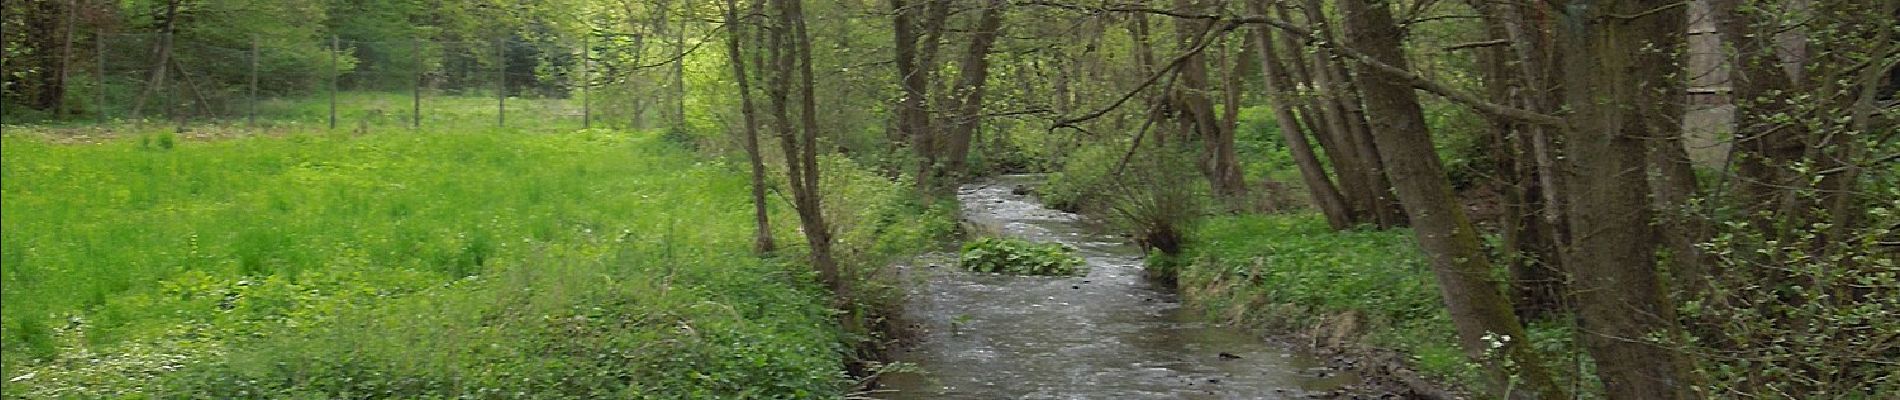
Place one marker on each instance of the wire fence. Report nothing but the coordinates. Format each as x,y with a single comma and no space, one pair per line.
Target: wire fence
344,84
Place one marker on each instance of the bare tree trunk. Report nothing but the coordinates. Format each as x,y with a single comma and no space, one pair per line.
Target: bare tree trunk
1219,161
1757,85
1530,254
789,51
1478,310
762,234
972,77
157,82
925,136
1278,87
1355,134
1613,60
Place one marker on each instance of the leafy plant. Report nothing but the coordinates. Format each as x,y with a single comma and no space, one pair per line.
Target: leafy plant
1019,257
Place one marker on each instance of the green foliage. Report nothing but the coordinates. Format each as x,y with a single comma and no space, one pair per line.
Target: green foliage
479,263
1019,257
1792,311
1082,183
1292,272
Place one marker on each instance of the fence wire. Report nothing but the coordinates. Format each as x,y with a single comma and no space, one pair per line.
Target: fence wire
345,84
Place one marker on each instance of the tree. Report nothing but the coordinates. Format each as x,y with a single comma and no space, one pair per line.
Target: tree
966,99
1482,315
1617,53
762,236
789,52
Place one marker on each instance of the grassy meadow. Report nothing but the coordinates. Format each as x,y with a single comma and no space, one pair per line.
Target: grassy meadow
477,263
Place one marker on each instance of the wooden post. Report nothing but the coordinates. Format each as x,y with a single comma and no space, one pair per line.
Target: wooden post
501,82
587,113
99,47
251,118
335,46
66,61
415,110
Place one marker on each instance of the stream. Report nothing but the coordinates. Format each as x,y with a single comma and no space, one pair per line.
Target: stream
1111,334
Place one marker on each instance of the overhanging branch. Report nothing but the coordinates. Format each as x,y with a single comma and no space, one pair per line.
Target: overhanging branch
1411,79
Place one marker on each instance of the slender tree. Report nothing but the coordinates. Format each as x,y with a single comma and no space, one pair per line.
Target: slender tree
762,235
1481,314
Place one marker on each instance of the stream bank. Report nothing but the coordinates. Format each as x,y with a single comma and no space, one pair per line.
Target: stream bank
1108,334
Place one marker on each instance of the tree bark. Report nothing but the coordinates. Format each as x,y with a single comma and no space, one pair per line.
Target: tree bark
1529,252
1219,161
972,77
762,242
1355,133
1612,48
1479,311
1318,185
1757,86
789,51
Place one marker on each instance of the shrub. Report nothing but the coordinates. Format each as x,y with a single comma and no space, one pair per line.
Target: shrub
1019,257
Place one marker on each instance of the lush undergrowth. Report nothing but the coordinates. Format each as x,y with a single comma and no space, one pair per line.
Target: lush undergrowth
484,264
1291,273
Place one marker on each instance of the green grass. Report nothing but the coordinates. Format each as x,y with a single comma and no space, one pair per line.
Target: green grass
483,263
1291,272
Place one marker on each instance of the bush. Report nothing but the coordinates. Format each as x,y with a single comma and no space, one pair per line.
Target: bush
1019,257
1081,184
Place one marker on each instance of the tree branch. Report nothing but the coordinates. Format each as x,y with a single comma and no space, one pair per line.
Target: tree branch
1412,79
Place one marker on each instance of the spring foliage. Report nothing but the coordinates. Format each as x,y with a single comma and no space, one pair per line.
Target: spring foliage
1019,257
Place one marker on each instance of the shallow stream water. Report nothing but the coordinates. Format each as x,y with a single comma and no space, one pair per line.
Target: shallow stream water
1111,334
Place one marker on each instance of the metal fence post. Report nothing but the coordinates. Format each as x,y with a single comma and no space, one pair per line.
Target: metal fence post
99,46
335,46
66,60
251,118
501,82
587,111
415,109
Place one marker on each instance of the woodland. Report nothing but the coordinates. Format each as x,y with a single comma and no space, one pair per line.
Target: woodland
1559,199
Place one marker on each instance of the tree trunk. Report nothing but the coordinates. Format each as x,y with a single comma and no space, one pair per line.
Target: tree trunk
926,136
1530,254
972,76
1318,185
791,58
1613,60
1478,310
164,51
1757,83
762,242
1355,133
1219,161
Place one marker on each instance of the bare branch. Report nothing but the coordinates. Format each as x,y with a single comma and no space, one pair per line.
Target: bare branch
1412,79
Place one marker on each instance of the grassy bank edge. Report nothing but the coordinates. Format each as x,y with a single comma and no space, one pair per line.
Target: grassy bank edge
1357,294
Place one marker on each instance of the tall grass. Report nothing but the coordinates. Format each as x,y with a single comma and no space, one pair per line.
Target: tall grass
488,263
1292,272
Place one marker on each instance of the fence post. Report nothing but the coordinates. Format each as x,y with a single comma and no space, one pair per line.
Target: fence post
415,109
335,46
501,82
99,46
251,119
66,60
587,111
